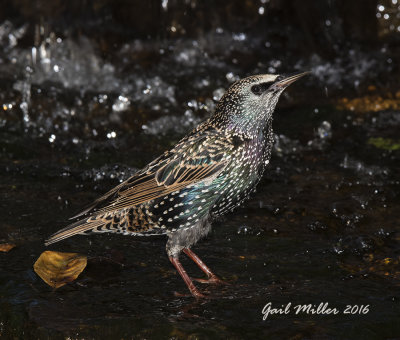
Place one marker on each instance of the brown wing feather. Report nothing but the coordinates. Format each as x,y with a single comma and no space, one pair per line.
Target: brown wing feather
152,189
195,159
191,161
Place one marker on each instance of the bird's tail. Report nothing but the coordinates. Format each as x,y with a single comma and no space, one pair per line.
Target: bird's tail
85,226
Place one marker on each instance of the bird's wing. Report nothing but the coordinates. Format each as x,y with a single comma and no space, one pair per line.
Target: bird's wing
199,157
195,159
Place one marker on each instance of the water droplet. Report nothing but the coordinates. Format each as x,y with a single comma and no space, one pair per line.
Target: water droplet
121,104
230,76
193,104
218,93
239,36
111,134
52,138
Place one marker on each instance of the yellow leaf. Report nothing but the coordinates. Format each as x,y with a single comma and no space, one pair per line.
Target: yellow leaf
57,269
370,103
5,247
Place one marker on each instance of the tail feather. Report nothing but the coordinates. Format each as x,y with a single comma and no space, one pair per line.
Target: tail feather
79,227
128,221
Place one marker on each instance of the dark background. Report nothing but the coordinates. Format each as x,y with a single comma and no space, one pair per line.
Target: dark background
91,91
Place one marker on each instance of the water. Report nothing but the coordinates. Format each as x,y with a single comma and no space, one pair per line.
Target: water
322,226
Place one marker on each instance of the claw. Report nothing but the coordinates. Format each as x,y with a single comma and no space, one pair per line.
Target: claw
212,280
192,288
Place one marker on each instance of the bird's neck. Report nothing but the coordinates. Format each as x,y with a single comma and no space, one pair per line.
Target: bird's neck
251,131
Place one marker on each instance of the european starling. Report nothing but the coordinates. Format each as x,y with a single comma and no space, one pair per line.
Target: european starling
208,173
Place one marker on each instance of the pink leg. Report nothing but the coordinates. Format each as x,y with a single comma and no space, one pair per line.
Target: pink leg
193,290
212,278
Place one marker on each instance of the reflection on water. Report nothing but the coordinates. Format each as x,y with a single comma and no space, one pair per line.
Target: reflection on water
322,226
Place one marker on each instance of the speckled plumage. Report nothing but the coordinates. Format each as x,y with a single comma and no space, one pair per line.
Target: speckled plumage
208,173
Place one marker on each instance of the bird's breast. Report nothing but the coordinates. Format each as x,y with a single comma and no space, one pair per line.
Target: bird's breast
241,175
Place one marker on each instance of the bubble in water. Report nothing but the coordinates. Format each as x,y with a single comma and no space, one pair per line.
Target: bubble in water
153,88
52,138
218,93
360,167
324,131
284,145
193,104
24,108
242,230
102,98
178,124
275,63
239,36
121,104
11,35
231,77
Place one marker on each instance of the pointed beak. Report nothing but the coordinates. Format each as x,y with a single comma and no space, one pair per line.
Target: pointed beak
287,80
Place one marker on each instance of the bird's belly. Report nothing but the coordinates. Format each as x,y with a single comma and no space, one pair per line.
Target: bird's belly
237,189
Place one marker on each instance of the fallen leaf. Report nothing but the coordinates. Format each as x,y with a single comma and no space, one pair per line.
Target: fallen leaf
385,143
370,103
5,247
57,269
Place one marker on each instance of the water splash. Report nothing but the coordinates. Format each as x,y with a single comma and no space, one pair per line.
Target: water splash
175,124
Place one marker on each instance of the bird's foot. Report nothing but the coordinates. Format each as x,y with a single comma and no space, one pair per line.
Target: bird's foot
195,294
213,279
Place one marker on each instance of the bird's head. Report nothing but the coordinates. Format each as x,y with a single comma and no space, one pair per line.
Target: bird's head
248,104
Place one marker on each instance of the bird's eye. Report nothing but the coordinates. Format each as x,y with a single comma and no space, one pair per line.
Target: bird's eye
256,89
279,78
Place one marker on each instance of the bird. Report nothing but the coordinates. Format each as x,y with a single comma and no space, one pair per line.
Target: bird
208,173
